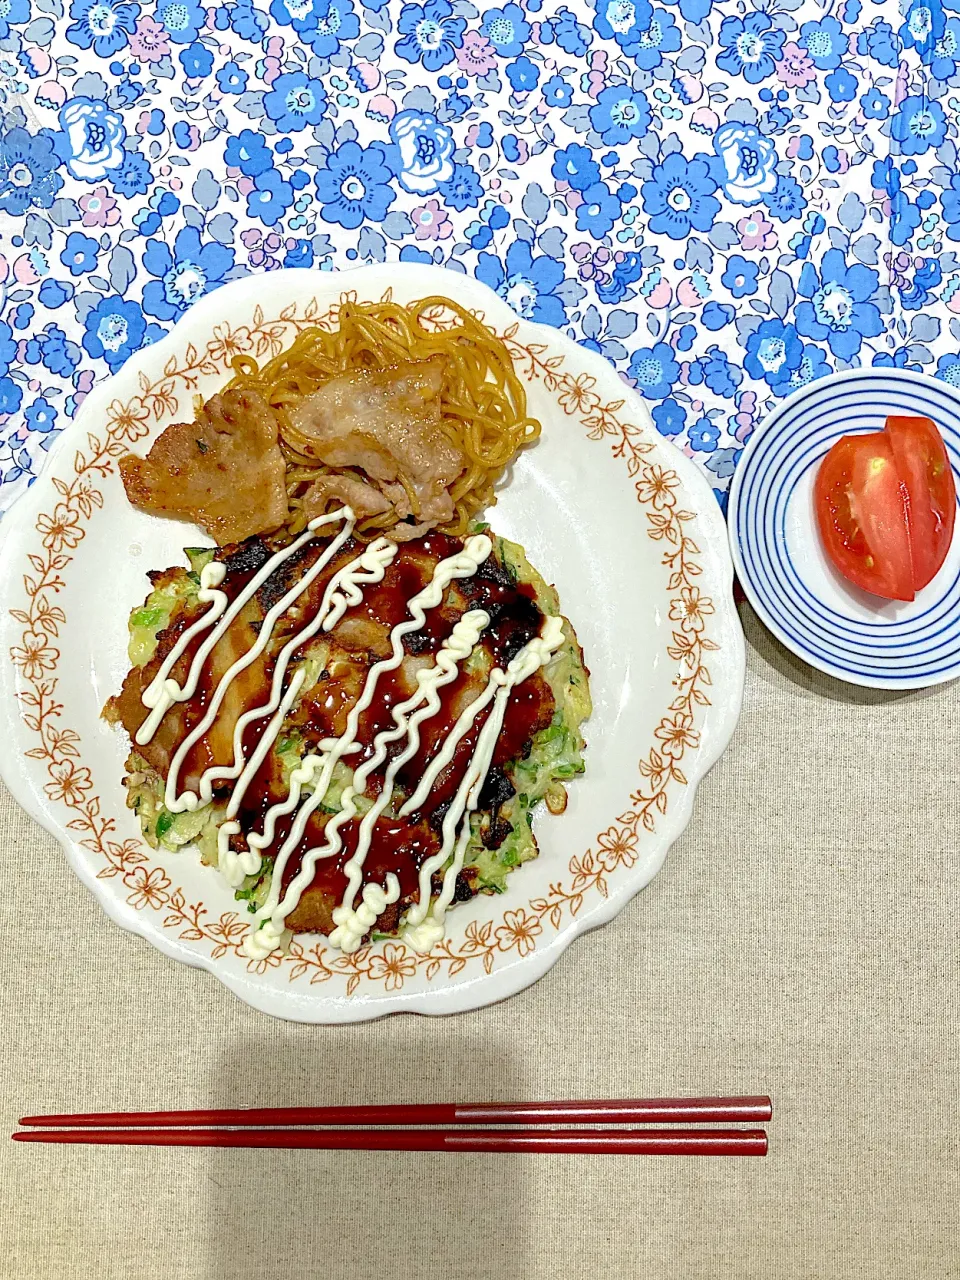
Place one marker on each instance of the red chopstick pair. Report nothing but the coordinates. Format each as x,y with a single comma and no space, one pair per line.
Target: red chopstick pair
262,1127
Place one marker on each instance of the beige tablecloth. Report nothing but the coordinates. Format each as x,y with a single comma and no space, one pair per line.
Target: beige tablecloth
801,940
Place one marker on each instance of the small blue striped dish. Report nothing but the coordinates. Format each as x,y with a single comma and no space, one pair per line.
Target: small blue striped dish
779,558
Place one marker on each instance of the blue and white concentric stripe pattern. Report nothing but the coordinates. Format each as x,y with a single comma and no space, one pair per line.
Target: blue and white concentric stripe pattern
781,565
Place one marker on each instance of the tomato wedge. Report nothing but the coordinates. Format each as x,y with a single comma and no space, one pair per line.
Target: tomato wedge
862,513
924,468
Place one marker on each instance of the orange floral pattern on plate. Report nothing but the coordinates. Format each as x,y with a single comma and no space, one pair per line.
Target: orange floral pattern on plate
389,964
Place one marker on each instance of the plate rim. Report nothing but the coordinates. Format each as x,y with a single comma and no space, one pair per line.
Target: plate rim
316,1005
769,424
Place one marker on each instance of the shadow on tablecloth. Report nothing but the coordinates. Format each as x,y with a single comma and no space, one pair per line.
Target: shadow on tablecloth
378,1214
800,673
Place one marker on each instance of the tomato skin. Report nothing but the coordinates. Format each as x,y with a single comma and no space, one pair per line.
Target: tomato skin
862,514
924,468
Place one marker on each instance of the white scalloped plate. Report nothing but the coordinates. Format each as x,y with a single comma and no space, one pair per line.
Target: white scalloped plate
624,525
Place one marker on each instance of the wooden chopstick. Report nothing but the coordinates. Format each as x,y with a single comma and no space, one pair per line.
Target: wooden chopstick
749,1110
637,1142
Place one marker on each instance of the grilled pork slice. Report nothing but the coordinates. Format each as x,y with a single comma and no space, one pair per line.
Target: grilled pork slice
384,425
225,471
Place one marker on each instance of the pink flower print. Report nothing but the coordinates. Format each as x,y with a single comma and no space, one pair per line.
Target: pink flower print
476,56
268,69
99,208
756,232
51,94
431,222
149,41
795,69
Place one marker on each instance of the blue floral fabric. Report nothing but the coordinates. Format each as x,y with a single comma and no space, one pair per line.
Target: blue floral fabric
726,199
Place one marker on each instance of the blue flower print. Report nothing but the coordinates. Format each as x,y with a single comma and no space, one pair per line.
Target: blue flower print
231,79
424,151
575,164
679,196
183,19
694,10
704,436
599,211
927,277
524,75
16,11
91,139
752,47
463,190
80,253
838,309
654,370
8,347
623,20
875,105
825,41
571,36
813,364
948,369
300,255
185,136
431,34
133,176
247,21
950,200
56,353
196,60
553,149
715,370
28,171
333,21
295,101
740,276
355,185
898,359
113,330
787,200
749,162
10,396
619,114
249,153
54,293
557,93
101,24
879,43
943,64
842,85
669,417
270,198
184,274
923,26
905,215
773,352
41,415
527,283
661,36
919,125
296,13
506,29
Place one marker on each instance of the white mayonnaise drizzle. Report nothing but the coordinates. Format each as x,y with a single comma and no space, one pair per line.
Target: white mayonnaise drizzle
190,799
259,942
343,588
352,925
423,925
163,691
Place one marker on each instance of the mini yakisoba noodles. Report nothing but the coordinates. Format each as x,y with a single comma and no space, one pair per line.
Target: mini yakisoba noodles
479,401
